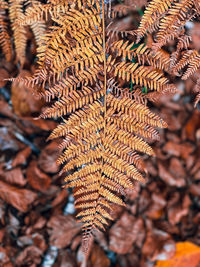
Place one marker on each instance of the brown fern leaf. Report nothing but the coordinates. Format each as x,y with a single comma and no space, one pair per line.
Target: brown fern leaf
84,51
73,101
141,75
127,6
183,42
155,96
105,127
5,41
170,25
193,66
167,19
19,32
184,61
39,12
65,86
153,12
92,161
190,58
159,59
38,27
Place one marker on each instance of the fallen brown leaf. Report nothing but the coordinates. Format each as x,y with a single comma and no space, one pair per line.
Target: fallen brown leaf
62,229
14,176
36,178
127,228
21,157
168,178
48,157
18,198
4,259
23,101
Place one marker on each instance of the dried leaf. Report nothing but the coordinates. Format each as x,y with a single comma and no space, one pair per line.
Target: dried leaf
168,178
130,229
4,259
7,141
36,178
30,255
48,157
189,131
6,110
24,103
18,198
183,150
187,254
21,157
14,176
61,196
98,258
62,230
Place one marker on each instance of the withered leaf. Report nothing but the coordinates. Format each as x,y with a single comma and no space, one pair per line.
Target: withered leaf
48,157
30,255
168,178
14,176
62,229
21,157
129,229
24,103
187,254
4,258
98,258
36,178
18,198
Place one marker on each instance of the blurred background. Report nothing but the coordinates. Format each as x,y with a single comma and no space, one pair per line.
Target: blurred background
37,217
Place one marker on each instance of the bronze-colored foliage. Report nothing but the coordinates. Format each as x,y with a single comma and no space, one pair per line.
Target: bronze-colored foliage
5,42
11,12
166,19
19,32
90,80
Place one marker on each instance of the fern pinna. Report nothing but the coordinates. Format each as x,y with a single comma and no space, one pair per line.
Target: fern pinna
96,83
165,19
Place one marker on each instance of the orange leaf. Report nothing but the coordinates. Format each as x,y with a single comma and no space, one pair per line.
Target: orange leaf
187,254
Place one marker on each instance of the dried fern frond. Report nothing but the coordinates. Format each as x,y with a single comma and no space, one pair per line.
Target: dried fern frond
114,160
193,66
153,12
141,75
158,59
75,43
170,25
5,41
127,6
39,12
155,96
190,58
38,27
19,32
105,127
166,19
